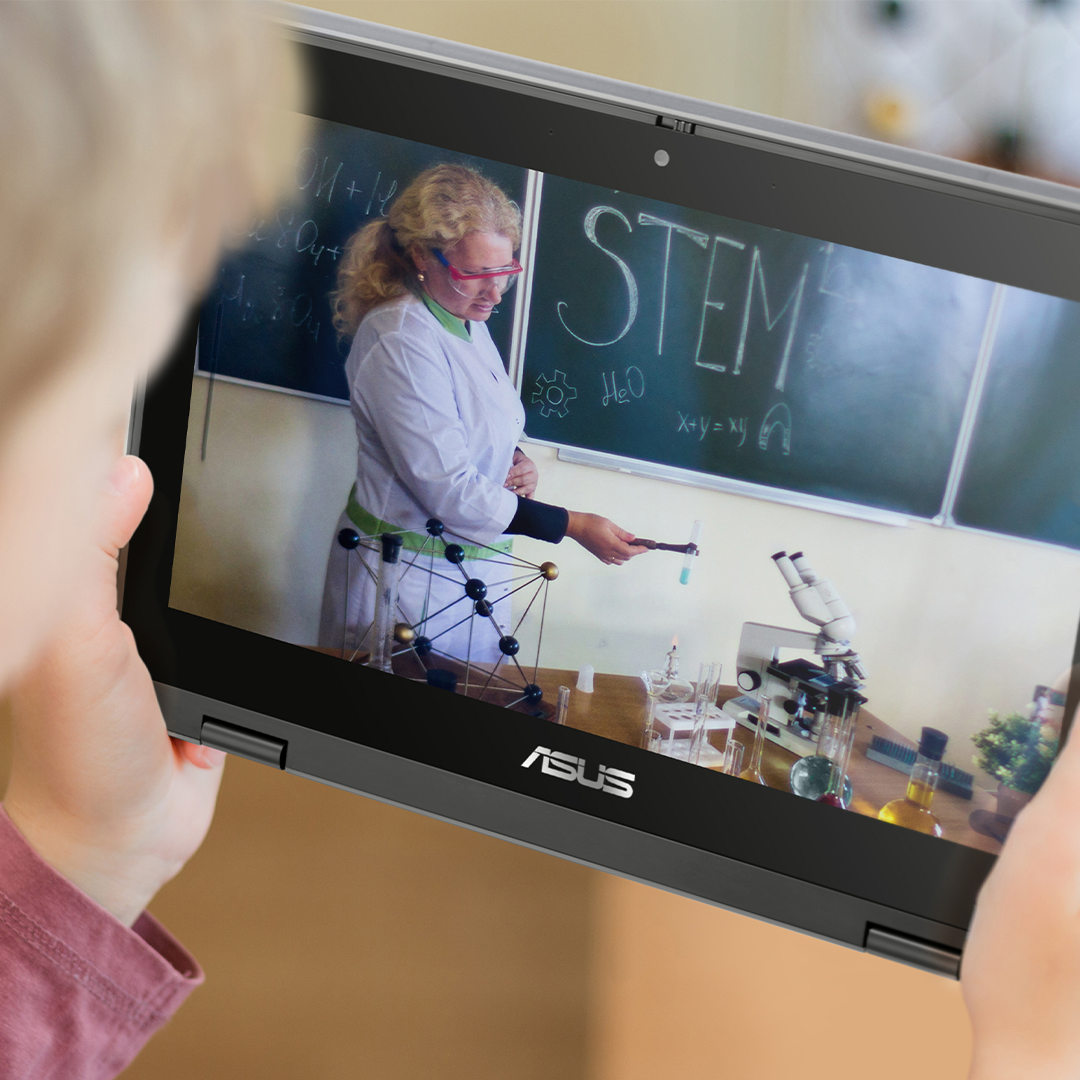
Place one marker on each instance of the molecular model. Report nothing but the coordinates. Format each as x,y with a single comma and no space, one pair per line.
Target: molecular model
395,639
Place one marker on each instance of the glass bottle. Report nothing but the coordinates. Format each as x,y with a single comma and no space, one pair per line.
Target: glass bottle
841,720
810,776
913,811
752,771
677,689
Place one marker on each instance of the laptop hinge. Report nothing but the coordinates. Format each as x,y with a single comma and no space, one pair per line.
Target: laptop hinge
913,951
244,742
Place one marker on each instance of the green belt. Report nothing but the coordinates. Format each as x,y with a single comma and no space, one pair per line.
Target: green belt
370,525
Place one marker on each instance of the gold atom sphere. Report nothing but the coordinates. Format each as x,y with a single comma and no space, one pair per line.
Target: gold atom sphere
404,633
549,570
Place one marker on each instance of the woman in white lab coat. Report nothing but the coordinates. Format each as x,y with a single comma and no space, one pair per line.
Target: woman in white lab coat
438,420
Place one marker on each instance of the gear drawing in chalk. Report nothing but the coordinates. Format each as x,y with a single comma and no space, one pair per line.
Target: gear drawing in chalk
553,395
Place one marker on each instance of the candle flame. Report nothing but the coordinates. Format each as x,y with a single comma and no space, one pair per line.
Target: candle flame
674,641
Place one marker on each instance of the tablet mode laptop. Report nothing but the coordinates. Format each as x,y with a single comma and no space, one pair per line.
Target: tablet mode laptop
826,384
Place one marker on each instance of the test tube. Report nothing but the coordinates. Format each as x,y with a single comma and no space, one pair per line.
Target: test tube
695,535
562,705
708,679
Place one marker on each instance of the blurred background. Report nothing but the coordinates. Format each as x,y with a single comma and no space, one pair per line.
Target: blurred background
343,938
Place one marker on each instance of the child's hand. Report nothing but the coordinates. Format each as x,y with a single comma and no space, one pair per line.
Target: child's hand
1021,966
97,787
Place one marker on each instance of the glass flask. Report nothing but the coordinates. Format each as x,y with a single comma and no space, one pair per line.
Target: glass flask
752,771
913,811
810,776
841,721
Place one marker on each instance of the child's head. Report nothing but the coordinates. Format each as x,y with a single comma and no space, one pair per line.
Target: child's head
131,135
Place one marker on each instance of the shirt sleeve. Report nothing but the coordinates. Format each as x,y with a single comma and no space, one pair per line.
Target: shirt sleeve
80,993
539,520
410,400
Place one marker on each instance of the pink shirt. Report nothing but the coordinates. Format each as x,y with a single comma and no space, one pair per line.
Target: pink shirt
80,993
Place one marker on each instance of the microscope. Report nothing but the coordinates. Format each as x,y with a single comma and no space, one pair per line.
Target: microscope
797,688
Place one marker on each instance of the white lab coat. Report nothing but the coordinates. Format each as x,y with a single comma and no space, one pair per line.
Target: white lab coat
437,422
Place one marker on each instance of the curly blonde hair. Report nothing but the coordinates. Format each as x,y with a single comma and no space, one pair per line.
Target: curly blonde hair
440,207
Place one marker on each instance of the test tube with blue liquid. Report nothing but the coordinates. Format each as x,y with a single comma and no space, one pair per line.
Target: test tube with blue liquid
695,535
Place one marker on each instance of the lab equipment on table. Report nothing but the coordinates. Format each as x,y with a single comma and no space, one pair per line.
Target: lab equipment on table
797,688
420,637
677,688
913,811
733,755
708,681
563,705
753,769
811,777
843,714
655,683
585,678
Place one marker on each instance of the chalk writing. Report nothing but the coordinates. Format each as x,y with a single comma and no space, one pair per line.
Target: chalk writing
712,305
629,280
699,238
757,277
735,427
633,386
779,416
553,394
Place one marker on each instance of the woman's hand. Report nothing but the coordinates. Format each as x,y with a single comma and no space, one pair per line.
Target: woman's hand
603,538
1021,968
97,787
523,476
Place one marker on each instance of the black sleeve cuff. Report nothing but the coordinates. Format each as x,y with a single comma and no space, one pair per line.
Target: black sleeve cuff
542,521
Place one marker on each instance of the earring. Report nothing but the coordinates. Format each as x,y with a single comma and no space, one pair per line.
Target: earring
420,276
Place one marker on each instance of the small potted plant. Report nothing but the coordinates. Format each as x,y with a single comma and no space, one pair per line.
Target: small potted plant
1017,752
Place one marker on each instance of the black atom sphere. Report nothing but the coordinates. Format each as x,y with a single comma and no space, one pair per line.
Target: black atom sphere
349,539
509,646
533,693
455,553
483,608
421,645
475,589
435,527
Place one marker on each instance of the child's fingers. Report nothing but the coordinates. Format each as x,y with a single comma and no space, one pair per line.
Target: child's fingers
126,495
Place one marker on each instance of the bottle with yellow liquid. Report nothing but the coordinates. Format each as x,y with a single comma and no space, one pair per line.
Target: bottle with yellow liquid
913,811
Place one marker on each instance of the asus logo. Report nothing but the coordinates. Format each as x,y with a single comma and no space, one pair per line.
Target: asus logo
568,767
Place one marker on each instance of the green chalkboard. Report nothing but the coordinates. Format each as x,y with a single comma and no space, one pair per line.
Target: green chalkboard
1022,473
682,338
266,319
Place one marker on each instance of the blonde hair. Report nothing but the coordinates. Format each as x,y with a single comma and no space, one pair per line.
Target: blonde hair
440,207
123,126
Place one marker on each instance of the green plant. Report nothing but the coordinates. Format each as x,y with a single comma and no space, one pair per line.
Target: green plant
1014,750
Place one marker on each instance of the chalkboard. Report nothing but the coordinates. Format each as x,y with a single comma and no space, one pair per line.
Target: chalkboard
687,339
1022,474
267,318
